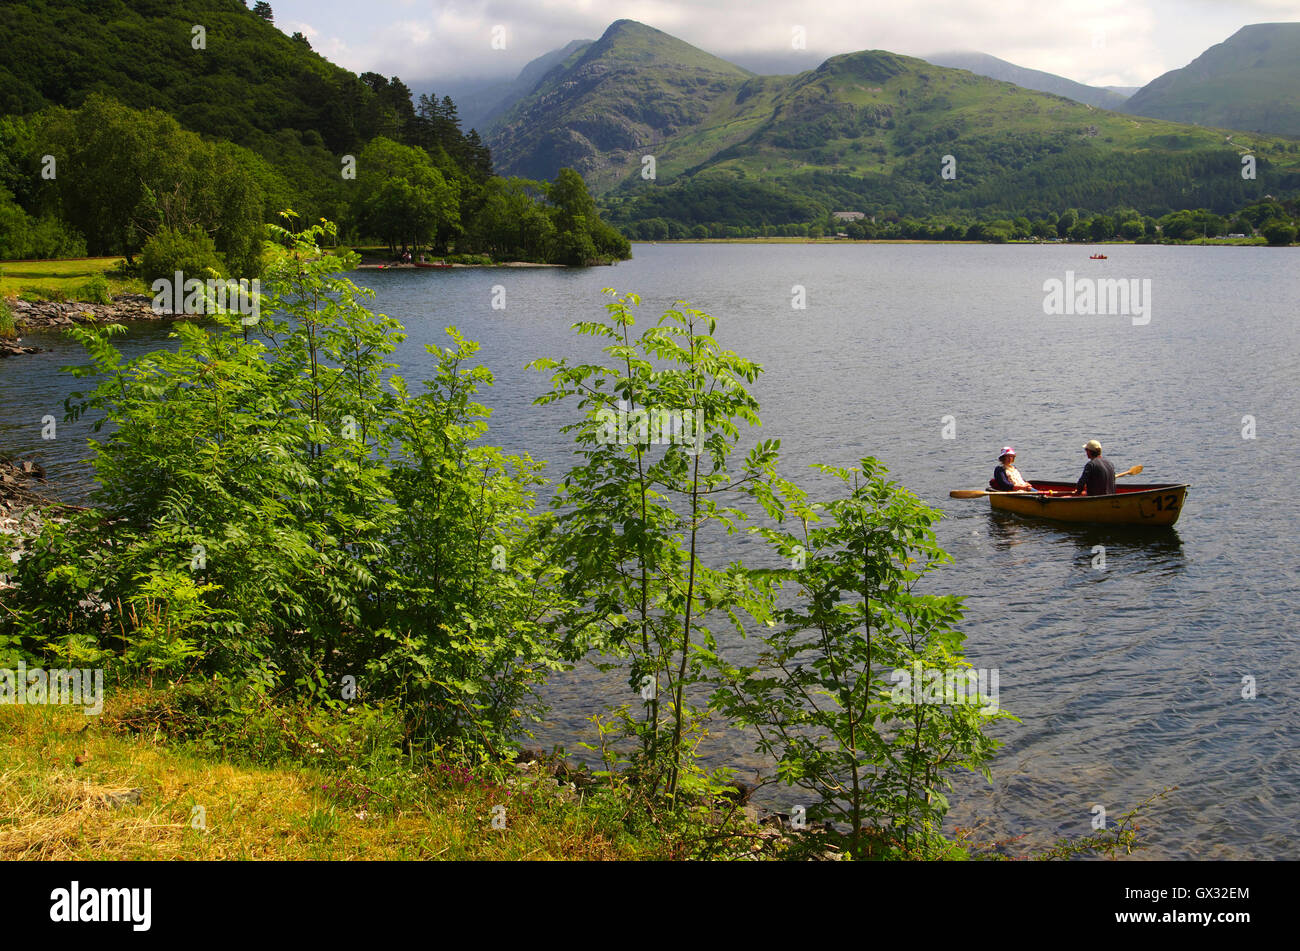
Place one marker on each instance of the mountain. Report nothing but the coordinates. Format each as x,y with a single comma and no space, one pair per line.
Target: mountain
863,131
870,131
981,64
1250,81
609,102
481,102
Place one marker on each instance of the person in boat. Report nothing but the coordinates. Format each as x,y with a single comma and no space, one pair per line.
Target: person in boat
1098,475
1006,477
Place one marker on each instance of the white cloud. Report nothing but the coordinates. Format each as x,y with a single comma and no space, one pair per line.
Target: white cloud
418,40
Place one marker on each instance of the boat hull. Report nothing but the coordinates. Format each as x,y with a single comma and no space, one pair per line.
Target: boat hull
1151,505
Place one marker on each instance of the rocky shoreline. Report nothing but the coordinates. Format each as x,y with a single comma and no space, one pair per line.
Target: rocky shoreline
21,509
52,315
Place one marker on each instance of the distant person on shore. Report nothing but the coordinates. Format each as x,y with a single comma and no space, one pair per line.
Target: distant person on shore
1098,475
1006,477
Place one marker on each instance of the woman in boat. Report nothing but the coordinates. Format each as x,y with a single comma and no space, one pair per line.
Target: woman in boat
1006,477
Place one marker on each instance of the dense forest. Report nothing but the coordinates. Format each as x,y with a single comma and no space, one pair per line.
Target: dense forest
1272,221
195,123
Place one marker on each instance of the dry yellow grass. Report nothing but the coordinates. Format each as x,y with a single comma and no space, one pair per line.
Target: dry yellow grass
190,807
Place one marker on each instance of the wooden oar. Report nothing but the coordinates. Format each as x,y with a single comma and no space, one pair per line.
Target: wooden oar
980,493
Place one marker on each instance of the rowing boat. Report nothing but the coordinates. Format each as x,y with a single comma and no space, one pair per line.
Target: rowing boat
1155,504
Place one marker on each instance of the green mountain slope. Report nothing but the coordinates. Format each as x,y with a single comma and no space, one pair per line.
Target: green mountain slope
864,131
1250,81
611,102
248,84
982,64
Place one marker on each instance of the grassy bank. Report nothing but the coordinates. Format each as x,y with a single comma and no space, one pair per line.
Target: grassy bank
40,280
78,787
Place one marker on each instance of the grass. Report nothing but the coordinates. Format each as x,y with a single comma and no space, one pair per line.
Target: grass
45,280
196,807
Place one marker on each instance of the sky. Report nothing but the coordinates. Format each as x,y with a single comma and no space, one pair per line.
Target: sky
1099,42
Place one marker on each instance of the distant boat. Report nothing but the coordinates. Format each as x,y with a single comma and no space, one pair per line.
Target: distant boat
1097,257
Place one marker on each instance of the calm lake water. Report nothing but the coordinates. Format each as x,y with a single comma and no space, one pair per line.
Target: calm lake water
1127,680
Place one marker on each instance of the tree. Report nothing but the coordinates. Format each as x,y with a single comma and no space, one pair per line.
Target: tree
1278,232
263,9
826,695
401,197
125,175
581,236
1132,229
1101,228
658,425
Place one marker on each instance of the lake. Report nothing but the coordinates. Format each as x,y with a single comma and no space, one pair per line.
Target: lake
1127,679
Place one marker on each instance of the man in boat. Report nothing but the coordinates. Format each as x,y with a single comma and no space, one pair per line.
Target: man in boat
1006,477
1098,475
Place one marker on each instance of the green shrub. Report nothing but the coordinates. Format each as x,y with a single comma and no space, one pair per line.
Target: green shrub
8,326
333,524
192,253
96,291
843,695
1278,233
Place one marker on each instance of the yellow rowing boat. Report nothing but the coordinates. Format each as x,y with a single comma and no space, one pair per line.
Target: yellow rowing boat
1154,504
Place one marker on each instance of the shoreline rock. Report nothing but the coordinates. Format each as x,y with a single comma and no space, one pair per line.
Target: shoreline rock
52,315
20,509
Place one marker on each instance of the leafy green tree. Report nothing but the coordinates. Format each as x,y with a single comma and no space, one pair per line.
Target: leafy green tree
263,10
1278,232
401,197
632,517
512,223
824,698
1101,228
123,175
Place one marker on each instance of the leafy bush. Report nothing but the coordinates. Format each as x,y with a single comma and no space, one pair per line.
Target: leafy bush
1278,232
96,290
632,516
332,526
8,326
192,253
875,756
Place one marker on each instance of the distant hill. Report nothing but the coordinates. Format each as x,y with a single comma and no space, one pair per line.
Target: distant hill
607,102
864,131
1250,81
982,64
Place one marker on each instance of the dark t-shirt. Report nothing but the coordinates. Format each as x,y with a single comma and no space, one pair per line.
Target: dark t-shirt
1000,482
1098,476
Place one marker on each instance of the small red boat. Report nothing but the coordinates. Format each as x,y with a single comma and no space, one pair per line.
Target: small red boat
1097,257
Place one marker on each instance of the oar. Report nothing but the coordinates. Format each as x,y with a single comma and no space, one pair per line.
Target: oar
980,493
